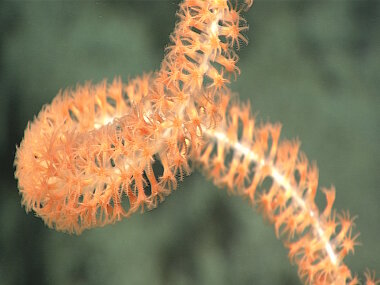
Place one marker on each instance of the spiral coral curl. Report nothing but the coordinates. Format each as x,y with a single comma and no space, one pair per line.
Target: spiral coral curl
101,152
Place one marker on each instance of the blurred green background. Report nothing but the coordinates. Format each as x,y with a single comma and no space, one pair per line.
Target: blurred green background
312,65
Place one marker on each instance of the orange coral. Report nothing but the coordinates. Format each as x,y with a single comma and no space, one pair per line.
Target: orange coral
97,144
100,152
317,242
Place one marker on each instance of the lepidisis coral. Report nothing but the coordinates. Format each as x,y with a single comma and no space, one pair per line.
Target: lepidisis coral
89,157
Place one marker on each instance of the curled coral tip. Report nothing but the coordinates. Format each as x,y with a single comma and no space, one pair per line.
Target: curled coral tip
90,157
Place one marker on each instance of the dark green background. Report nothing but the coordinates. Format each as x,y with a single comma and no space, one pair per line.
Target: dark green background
312,65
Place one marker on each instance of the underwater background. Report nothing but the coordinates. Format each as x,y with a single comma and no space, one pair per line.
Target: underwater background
314,66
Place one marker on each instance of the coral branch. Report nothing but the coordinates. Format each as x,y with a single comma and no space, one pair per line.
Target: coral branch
100,152
279,181
315,241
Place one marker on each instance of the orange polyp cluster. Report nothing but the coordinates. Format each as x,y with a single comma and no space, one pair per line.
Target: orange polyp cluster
68,160
87,159
93,146
202,46
101,152
317,242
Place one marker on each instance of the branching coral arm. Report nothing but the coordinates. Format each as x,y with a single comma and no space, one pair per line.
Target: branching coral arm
201,53
281,183
202,48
